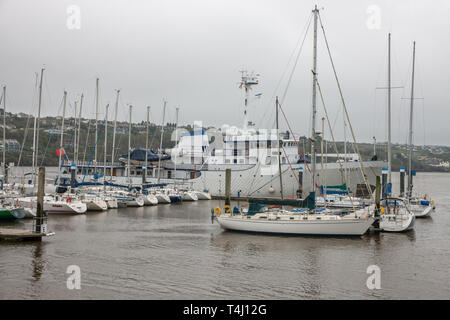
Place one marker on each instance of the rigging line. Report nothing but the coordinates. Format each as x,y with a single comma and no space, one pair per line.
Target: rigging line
296,62
286,67
363,171
298,145
87,140
295,139
33,106
50,136
334,143
24,139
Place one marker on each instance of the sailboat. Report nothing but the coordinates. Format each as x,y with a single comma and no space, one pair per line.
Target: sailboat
395,215
421,207
258,218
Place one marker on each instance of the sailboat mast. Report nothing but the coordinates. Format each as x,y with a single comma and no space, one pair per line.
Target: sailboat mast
79,129
75,132
129,148
314,98
176,141
62,137
106,146
114,132
389,111
96,124
146,140
38,119
5,178
161,141
411,125
322,172
279,149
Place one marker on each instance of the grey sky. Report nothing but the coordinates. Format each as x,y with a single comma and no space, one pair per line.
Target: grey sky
189,52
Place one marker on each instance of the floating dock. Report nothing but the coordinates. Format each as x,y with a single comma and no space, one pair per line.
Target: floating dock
21,235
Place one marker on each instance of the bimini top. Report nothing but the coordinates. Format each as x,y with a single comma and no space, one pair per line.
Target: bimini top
138,154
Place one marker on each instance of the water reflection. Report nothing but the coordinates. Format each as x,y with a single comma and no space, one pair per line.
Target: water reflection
37,261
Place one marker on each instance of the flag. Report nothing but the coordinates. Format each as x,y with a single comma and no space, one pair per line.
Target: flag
62,151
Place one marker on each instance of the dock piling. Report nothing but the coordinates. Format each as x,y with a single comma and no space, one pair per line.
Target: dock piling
227,187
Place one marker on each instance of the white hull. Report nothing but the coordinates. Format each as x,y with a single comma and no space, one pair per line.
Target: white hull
397,223
55,206
135,202
344,227
96,205
189,196
163,198
111,203
150,200
421,211
201,195
259,180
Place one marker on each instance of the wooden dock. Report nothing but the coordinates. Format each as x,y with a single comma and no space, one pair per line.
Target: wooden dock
21,235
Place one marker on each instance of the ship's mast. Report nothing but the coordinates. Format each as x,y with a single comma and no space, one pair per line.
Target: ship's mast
411,125
129,148
75,132
62,137
176,141
96,124
5,178
146,141
389,110
279,150
314,99
114,133
161,141
38,120
247,81
79,129
106,146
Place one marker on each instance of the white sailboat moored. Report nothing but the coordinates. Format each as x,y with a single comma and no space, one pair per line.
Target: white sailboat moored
396,216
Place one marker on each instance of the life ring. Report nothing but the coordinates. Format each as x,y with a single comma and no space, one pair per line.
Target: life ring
217,211
69,200
227,209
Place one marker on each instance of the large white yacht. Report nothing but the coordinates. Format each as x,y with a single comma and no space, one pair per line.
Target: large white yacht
200,158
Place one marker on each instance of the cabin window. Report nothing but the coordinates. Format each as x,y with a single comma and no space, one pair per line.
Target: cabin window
269,144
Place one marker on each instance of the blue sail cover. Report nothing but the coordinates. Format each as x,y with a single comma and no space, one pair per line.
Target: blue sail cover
330,191
138,154
388,189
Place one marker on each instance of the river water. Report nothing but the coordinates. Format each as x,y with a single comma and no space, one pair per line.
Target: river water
174,252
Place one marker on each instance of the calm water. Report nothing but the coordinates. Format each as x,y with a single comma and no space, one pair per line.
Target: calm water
174,252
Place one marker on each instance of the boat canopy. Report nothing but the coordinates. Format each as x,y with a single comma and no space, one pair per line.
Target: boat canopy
257,204
138,154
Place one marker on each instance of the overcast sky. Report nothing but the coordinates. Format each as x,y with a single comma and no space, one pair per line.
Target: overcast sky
190,52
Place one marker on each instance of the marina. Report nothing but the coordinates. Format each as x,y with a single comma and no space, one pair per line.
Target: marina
110,189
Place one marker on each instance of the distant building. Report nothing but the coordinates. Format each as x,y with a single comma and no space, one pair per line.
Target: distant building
12,145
